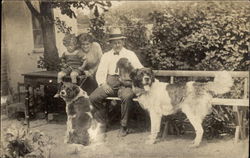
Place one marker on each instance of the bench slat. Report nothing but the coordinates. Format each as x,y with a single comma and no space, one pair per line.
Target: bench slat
167,73
233,102
215,101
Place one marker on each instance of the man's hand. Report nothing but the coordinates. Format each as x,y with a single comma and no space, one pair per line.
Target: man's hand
81,68
87,73
107,88
126,83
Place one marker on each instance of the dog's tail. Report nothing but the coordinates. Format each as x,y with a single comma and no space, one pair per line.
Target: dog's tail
222,83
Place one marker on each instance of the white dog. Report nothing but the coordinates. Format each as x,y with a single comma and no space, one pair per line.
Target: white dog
193,98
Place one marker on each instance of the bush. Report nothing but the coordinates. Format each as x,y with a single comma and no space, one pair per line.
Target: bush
201,36
17,142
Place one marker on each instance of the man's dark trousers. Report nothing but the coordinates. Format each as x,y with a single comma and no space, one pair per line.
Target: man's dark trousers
99,95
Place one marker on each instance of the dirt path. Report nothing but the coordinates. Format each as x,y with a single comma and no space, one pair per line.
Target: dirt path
133,146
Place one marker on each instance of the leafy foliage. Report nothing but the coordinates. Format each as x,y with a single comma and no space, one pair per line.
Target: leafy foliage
137,39
17,142
219,122
97,29
66,6
62,26
203,36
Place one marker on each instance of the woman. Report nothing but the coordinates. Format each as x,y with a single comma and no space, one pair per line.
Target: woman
93,54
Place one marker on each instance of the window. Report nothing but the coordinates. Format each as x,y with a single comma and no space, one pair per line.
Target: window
37,35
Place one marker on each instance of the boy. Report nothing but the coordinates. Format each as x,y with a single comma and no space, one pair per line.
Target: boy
73,61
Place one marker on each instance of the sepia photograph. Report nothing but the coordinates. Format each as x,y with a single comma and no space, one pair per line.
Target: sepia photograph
125,79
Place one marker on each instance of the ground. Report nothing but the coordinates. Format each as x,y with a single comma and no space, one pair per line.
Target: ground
133,145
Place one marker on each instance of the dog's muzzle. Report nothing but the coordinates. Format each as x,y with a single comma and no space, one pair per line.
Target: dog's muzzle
146,80
63,93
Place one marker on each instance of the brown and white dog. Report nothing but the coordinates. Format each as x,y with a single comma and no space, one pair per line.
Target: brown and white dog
82,128
192,98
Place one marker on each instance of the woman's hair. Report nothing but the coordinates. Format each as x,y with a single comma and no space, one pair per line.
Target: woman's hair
69,39
85,38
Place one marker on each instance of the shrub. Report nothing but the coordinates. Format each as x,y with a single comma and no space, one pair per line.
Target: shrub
17,142
201,36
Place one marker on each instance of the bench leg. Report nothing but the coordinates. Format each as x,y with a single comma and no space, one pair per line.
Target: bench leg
165,129
27,102
240,130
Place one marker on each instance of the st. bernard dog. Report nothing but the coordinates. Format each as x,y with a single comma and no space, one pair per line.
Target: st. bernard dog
192,98
82,128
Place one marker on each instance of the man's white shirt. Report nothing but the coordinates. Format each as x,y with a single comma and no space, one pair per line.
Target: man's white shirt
108,62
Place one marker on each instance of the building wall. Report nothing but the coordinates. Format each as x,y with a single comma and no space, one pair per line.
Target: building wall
17,46
4,74
18,41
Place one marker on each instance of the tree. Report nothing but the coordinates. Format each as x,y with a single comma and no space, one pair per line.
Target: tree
47,21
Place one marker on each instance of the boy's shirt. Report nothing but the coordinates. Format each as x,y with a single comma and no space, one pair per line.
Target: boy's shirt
74,59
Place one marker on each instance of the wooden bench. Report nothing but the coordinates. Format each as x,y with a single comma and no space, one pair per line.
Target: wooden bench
239,105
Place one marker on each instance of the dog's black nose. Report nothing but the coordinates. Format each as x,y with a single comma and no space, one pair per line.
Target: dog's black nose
146,79
62,93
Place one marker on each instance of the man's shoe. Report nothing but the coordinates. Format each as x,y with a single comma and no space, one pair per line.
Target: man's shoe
123,131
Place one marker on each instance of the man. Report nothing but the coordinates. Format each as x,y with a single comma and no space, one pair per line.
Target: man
107,76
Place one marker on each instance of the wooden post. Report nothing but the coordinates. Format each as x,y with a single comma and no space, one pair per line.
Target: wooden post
243,117
165,129
171,79
245,88
237,123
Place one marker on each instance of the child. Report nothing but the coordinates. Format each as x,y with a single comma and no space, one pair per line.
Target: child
73,61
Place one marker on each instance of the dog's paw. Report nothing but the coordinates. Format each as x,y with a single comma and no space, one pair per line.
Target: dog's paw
66,141
194,145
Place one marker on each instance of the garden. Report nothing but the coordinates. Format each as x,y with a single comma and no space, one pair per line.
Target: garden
187,36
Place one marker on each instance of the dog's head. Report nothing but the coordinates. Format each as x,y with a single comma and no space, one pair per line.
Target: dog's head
69,91
142,78
124,64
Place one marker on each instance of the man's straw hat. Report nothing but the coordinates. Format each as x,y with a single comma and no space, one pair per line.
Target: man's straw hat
116,34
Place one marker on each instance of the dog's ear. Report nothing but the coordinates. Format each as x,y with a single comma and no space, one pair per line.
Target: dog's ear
76,89
118,65
133,74
116,69
131,68
153,75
